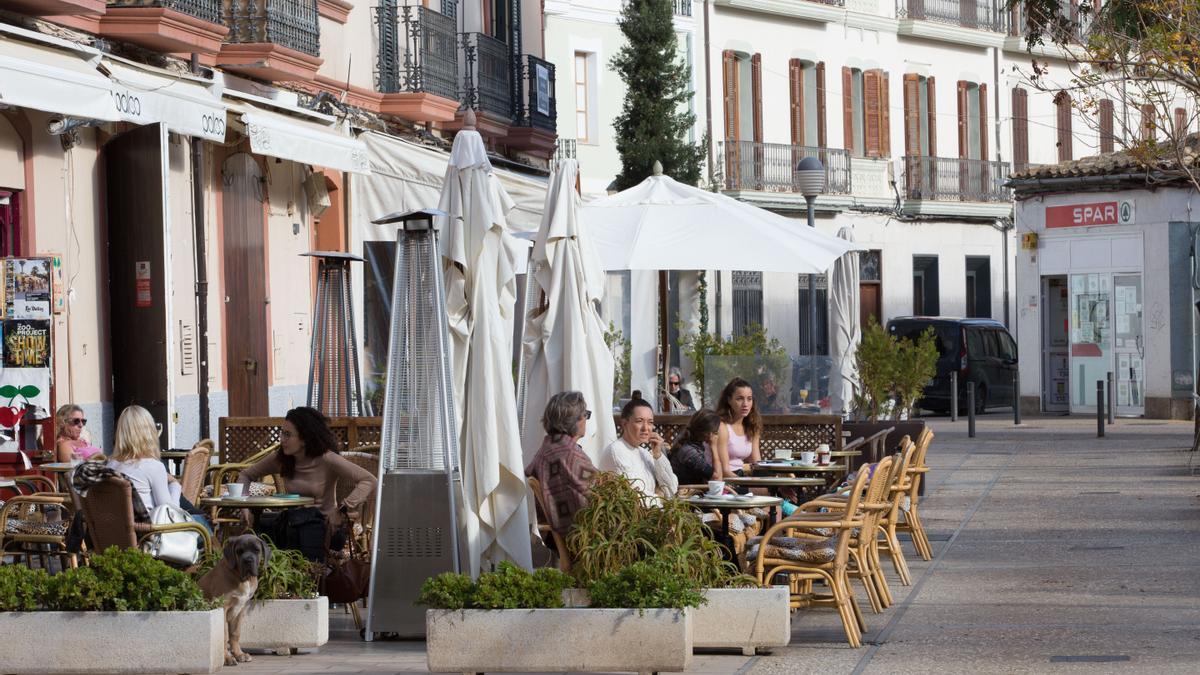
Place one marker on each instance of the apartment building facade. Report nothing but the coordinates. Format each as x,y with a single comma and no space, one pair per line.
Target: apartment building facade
177,157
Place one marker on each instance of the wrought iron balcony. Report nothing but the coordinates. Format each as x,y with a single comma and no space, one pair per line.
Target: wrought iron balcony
287,23
989,15
205,10
564,148
683,7
538,107
771,167
486,76
954,179
418,50
1077,23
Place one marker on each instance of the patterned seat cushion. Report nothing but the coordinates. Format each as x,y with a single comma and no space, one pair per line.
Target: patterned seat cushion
19,526
792,548
256,490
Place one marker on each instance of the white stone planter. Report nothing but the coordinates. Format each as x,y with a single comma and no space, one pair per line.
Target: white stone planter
743,618
278,624
113,642
558,640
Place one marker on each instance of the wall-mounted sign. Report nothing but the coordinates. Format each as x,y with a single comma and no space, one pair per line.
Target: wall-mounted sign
542,74
1091,214
142,280
1029,241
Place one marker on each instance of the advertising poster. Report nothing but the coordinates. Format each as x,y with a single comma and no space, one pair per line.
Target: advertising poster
28,288
26,344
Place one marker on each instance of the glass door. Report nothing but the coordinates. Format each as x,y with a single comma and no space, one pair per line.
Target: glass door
1129,345
1091,338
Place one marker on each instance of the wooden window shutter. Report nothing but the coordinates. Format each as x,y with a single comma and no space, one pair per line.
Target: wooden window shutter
871,116
848,108
1020,114
885,116
983,123
963,136
1062,102
821,140
1181,123
796,95
1107,137
756,92
1148,121
932,105
912,114
729,62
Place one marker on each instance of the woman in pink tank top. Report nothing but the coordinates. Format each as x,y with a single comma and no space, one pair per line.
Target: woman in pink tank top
738,442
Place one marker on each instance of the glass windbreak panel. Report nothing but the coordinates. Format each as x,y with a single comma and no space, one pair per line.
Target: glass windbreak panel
1091,337
377,316
1129,347
770,377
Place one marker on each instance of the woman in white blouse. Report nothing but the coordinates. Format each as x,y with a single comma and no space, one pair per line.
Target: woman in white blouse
640,453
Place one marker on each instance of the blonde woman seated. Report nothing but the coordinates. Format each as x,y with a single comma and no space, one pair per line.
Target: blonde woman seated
136,454
70,444
639,454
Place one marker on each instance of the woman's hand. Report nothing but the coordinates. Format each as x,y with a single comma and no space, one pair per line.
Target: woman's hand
656,443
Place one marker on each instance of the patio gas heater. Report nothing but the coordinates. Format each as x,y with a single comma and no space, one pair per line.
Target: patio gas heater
334,385
416,532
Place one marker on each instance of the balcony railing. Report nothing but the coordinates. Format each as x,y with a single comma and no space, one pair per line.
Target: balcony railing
683,7
418,50
987,15
564,148
486,75
1077,23
771,167
954,179
287,23
205,10
538,108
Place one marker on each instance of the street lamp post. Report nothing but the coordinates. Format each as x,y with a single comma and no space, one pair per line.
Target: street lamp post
810,178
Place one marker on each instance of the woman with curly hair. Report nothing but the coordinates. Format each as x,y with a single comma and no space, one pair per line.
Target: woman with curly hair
738,442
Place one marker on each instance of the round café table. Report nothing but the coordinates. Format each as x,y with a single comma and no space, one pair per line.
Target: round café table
727,504
60,471
253,502
774,484
173,459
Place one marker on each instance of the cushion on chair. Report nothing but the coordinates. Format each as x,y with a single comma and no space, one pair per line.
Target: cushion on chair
791,548
18,526
256,490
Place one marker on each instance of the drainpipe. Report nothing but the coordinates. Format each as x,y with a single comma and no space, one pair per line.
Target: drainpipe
197,152
708,129
996,130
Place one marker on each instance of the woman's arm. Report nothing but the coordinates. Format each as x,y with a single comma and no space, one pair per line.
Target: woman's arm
160,491
364,481
266,466
755,456
721,453
668,483
715,469
64,450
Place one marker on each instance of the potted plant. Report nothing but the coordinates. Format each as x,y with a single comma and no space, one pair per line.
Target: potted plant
514,620
286,612
618,529
116,598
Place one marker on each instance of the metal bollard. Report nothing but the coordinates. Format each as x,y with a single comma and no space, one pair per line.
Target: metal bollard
970,410
1099,408
954,396
1112,398
1017,397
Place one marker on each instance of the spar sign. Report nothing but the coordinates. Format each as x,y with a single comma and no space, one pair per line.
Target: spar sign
1089,215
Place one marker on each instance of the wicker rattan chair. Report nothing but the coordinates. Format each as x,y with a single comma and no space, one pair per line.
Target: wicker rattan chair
34,522
108,513
910,517
195,466
887,524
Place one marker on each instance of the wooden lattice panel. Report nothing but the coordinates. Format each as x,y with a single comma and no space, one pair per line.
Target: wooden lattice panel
242,437
780,432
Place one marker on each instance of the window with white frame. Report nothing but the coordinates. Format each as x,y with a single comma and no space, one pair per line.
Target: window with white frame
583,107
747,301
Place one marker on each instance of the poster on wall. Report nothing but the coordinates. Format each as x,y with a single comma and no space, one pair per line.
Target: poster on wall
21,387
26,344
28,290
543,88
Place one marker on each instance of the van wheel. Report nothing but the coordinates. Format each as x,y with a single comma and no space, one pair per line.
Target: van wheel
980,400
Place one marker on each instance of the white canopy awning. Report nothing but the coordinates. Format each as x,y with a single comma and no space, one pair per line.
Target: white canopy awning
54,81
299,140
143,95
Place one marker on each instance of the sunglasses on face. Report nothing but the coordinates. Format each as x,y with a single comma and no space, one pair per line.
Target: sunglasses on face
587,414
674,383
78,422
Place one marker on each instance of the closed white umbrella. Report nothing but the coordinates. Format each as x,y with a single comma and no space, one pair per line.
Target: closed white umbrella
564,335
845,329
478,256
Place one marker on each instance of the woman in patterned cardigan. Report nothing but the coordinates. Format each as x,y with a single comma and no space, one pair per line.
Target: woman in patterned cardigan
562,468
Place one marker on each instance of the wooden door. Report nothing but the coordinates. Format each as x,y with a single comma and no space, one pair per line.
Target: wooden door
869,303
135,167
243,224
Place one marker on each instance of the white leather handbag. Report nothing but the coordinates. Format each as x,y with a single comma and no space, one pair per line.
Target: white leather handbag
177,548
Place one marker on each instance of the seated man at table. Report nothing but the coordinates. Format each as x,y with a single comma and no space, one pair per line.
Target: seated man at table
639,454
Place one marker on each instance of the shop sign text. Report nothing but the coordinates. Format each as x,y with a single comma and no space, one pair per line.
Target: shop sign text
1089,215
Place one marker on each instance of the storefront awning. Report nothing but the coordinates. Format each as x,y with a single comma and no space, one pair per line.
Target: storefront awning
299,140
54,81
187,106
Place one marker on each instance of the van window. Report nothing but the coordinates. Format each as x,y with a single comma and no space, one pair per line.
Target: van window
1006,348
945,335
975,343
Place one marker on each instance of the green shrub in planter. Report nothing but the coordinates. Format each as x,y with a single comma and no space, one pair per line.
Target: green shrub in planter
21,588
448,590
509,587
647,584
124,580
288,575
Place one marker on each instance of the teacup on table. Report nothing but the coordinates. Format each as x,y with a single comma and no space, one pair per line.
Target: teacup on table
808,457
234,490
715,487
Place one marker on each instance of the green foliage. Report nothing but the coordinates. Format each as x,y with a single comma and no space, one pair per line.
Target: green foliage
509,587
892,370
618,529
766,358
21,588
646,584
654,122
124,580
622,352
288,575
916,365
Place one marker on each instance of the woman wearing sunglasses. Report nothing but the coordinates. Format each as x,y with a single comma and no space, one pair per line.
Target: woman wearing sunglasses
70,444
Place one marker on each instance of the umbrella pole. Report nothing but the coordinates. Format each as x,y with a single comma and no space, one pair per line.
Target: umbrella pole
664,342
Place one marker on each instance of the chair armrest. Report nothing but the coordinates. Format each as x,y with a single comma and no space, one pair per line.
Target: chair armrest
918,469
33,480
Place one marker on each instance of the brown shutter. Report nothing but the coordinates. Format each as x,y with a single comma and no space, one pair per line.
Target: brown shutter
1020,115
912,114
796,94
932,105
885,116
1181,124
871,131
848,109
756,92
983,123
821,140
1148,121
1107,137
1062,102
963,136
729,62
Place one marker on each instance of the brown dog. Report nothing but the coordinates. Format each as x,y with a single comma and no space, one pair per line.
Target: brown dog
235,579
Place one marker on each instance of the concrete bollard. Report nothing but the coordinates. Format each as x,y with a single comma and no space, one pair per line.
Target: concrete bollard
954,396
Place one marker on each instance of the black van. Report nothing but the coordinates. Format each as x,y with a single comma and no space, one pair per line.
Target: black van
981,350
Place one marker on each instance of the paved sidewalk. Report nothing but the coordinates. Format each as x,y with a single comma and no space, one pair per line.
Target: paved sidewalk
1054,551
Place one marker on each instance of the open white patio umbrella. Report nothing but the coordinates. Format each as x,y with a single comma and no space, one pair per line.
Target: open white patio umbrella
564,335
478,262
845,329
661,224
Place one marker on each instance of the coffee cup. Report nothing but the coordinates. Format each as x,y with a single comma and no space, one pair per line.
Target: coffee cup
808,457
234,489
715,487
